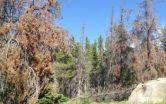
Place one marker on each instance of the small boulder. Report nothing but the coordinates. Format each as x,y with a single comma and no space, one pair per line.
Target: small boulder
152,92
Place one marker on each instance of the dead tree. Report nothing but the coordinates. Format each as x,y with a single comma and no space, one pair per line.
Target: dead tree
149,24
26,57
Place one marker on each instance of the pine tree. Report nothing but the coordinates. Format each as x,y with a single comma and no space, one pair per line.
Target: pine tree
88,52
94,71
101,52
74,47
100,49
87,45
88,55
97,73
64,72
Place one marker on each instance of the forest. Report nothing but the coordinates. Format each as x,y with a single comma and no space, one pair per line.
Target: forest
41,63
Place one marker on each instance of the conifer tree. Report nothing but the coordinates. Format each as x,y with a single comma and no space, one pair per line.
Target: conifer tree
100,48
88,53
94,73
101,52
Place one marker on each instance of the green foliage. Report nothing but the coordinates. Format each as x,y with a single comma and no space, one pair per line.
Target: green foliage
88,50
100,49
128,78
74,47
94,56
101,52
50,98
88,46
64,65
94,73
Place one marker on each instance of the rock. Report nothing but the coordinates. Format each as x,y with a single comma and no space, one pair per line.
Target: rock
152,92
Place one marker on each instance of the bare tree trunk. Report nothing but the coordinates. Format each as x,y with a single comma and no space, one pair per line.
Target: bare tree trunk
149,24
148,14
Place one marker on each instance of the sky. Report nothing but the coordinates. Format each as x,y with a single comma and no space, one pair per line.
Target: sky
96,14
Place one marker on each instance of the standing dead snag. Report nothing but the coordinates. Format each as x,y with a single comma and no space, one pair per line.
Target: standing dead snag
147,49
121,54
148,15
150,29
81,78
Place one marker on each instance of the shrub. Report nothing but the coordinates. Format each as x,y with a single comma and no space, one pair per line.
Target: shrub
52,99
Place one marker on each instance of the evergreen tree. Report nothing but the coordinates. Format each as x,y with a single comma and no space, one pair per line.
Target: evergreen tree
74,47
95,67
87,45
88,55
100,49
88,52
64,72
